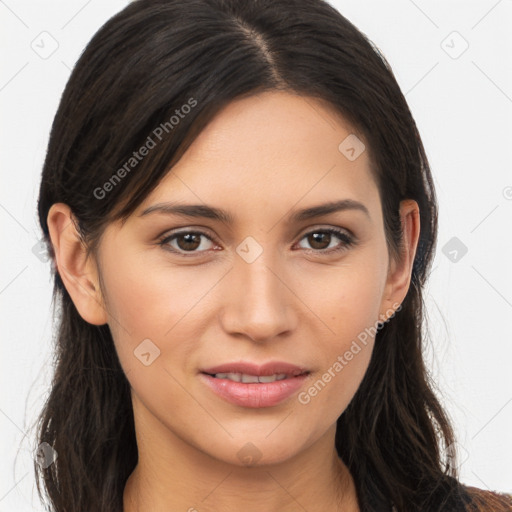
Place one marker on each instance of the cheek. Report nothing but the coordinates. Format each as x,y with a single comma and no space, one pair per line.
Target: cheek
346,299
148,293
348,302
345,360
156,302
155,319
329,394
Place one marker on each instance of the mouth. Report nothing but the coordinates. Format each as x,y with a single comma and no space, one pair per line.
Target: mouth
253,379
250,385
278,370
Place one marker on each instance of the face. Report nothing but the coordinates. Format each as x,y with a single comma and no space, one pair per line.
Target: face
265,283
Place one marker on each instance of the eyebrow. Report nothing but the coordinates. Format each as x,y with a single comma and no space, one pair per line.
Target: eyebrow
210,212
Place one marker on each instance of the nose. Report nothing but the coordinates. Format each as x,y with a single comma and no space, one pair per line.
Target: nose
258,300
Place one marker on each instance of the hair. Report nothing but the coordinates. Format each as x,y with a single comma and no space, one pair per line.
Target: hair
157,59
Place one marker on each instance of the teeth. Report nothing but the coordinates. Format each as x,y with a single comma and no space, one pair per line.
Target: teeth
249,378
242,377
272,378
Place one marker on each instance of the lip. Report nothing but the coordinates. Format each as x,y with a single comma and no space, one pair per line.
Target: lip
255,395
259,370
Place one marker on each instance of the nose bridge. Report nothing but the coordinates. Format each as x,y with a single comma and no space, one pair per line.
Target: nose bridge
258,304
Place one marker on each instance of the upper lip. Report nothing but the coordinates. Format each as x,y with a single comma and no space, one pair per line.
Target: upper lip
248,368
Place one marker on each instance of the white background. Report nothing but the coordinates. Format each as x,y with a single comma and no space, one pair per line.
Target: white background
463,108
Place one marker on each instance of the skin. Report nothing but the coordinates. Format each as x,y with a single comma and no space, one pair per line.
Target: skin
261,159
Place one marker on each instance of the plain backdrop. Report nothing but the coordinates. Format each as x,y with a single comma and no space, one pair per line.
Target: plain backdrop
453,62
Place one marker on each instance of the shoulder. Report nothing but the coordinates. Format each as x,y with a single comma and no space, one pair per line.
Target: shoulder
479,500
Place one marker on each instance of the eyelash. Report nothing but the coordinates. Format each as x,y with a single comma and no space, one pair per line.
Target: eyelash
348,241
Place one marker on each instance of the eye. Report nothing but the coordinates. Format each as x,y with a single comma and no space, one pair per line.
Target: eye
321,240
186,241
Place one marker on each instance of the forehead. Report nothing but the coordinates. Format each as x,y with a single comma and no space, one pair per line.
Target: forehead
271,148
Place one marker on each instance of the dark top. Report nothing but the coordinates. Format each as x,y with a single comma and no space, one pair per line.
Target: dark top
449,496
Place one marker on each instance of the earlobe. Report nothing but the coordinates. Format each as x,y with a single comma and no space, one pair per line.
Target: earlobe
399,276
78,273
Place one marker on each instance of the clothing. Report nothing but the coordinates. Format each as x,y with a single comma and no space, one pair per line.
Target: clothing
449,496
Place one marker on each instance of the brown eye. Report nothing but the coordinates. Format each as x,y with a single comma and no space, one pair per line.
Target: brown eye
324,240
319,240
187,242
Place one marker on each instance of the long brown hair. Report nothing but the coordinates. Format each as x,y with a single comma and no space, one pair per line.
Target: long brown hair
143,64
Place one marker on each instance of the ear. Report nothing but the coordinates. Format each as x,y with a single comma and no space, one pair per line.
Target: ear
399,272
78,273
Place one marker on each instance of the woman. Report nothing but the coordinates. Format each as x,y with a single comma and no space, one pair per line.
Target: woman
242,218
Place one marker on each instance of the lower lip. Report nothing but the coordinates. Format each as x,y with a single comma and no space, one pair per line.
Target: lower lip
255,395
